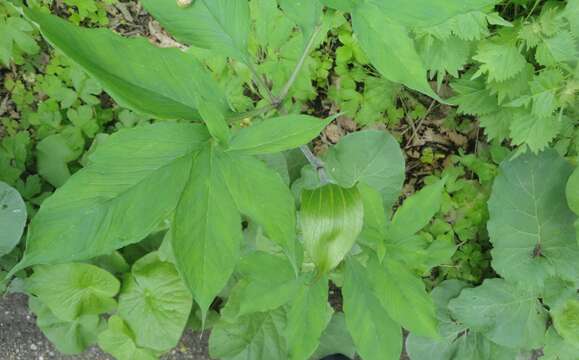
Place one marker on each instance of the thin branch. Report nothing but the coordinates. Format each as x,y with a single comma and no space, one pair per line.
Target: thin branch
316,163
286,88
260,82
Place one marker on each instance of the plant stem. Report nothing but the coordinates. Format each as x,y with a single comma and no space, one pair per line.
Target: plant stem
286,88
276,101
259,80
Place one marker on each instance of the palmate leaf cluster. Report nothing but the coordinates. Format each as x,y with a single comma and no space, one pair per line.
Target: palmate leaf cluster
225,217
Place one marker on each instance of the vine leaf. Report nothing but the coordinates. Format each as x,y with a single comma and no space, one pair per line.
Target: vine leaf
531,226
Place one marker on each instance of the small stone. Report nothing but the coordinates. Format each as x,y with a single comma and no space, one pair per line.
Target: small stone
33,347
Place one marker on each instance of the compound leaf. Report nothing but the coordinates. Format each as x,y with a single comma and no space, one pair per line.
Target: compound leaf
133,182
155,303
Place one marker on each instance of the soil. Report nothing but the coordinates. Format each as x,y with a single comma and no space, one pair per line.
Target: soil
20,338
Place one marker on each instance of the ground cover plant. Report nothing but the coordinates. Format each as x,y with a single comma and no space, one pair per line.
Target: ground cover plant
300,178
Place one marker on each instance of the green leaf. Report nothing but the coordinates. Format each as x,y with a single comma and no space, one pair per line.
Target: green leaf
69,337
53,155
342,5
423,13
403,296
277,134
376,335
336,339
155,303
118,341
331,220
375,220
16,31
255,336
534,131
12,218
572,191
417,210
508,315
531,226
566,321
207,233
307,318
556,348
95,212
306,14
473,97
165,83
500,61
370,157
73,290
457,342
218,25
261,194
270,283
394,55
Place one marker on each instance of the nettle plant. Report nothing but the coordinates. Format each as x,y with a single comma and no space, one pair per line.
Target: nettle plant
219,196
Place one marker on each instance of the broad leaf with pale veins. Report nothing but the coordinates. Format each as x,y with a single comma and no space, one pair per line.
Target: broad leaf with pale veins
531,226
506,314
155,303
75,289
12,218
